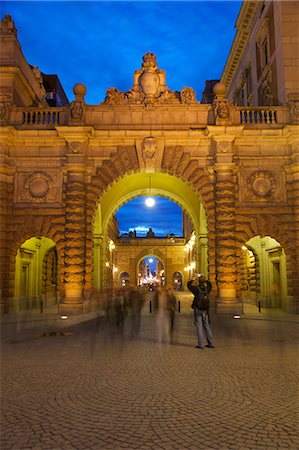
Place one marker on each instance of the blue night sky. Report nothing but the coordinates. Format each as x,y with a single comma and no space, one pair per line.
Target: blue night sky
101,44
165,217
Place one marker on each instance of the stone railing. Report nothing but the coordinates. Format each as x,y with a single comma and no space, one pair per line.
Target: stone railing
148,241
38,117
263,115
105,117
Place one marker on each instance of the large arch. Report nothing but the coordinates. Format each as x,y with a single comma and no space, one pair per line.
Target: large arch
143,184
139,184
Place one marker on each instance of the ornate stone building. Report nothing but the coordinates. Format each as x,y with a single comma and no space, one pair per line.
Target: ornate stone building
232,166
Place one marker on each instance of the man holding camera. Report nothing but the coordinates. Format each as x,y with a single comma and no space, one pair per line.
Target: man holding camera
200,305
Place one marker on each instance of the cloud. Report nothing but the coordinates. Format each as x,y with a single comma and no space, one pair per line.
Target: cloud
165,217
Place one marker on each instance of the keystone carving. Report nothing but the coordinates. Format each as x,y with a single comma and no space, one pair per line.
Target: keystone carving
149,152
75,147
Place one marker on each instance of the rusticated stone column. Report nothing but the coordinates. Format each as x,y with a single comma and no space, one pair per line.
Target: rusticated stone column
293,198
75,234
226,261
6,203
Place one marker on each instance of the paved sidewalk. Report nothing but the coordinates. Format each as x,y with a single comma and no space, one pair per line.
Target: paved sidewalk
79,384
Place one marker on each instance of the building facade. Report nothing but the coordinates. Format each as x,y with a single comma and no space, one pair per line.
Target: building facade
231,165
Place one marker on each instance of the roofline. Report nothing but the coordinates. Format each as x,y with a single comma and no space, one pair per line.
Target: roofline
243,26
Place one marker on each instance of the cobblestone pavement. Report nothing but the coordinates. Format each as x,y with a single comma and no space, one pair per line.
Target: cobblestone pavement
86,386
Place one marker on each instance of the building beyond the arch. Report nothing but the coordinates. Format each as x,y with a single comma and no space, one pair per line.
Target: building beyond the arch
233,166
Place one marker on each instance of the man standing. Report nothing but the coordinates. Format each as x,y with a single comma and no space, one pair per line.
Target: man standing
200,305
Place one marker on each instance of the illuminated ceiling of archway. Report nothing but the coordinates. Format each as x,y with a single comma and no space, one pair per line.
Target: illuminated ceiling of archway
144,184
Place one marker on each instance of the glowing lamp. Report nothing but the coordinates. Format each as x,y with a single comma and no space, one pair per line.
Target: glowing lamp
149,202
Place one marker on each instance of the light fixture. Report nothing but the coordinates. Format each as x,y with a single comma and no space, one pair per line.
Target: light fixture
150,201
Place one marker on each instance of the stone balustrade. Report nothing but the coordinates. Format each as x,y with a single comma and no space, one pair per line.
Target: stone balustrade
263,115
200,115
38,117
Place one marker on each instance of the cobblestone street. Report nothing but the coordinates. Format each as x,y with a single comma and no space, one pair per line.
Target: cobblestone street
86,387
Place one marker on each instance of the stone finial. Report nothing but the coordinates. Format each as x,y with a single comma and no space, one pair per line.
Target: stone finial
7,25
219,90
80,91
149,62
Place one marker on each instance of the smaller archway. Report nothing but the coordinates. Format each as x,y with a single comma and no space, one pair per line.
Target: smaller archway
263,272
36,274
151,272
177,281
124,279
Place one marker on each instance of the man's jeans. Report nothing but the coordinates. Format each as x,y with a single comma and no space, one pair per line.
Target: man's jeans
202,322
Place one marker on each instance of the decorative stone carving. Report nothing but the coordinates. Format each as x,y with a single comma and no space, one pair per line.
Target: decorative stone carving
75,147
77,106
294,107
7,25
76,110
113,97
222,110
5,108
221,106
188,96
149,152
38,187
37,74
149,88
224,146
149,79
261,185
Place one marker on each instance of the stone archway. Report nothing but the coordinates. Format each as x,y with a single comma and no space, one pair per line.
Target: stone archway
162,184
35,274
160,257
266,275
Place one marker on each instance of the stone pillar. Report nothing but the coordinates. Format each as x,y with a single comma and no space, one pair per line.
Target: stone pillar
7,172
75,234
98,263
226,260
293,266
37,273
203,255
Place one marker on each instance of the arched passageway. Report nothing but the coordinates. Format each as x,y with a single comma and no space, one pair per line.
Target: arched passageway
151,272
264,275
36,274
111,253
177,281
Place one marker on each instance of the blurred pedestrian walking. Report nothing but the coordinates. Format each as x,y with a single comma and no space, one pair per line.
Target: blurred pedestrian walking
172,308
